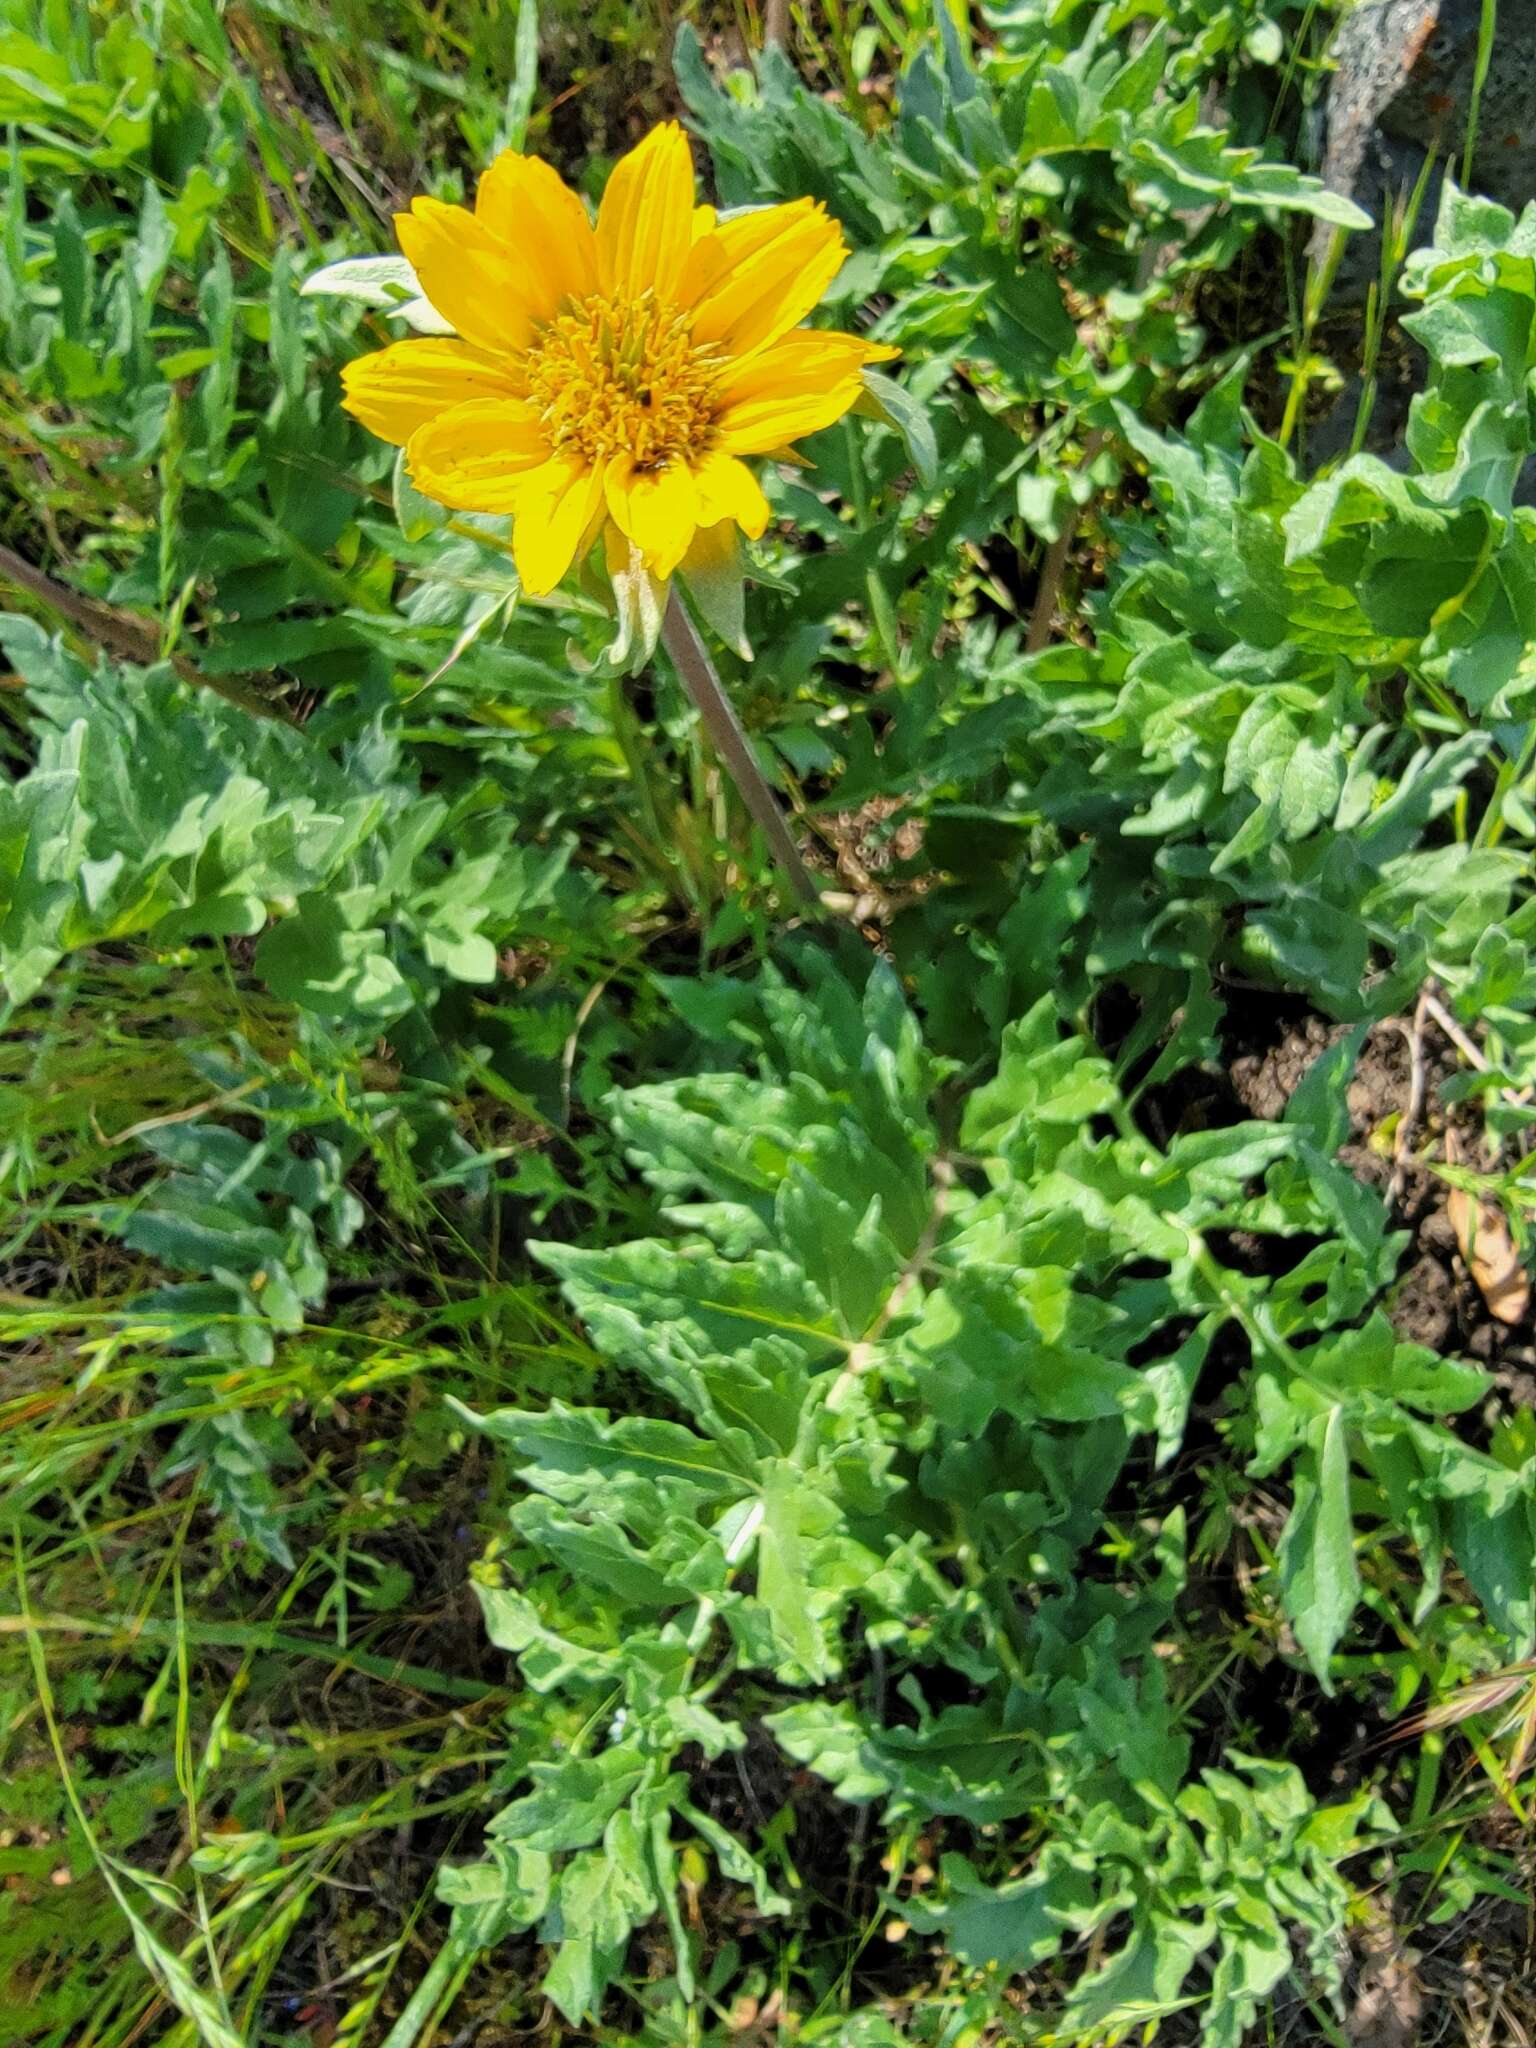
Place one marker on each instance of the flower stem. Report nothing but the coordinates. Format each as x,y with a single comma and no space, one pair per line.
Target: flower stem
697,674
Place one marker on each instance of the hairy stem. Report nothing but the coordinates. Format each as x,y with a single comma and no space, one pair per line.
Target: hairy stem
697,672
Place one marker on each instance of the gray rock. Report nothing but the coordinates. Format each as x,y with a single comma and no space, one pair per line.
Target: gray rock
1403,87
1436,98
1374,52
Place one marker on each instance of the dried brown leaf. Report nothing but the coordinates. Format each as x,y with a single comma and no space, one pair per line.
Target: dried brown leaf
1389,1998
1482,1232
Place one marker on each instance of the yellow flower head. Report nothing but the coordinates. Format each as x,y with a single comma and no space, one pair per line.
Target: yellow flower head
607,381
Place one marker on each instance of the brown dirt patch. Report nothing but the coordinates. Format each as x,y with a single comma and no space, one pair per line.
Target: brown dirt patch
1434,1301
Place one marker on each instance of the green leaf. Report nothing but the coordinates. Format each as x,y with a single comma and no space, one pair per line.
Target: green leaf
889,401
828,1738
572,1802
1015,1925
569,1450
504,1893
548,1661
525,77
793,1515
1319,1578
388,282
600,1899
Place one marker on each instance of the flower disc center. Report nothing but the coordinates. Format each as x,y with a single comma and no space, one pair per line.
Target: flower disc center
622,377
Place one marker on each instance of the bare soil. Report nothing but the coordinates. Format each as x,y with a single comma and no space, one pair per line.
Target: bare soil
1436,1301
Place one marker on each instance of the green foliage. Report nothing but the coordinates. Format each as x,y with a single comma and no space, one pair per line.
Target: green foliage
926,1456
901,1337
1233,743
155,812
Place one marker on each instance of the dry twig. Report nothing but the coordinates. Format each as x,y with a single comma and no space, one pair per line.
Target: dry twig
123,634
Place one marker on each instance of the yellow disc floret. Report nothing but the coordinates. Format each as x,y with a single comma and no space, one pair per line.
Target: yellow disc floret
623,377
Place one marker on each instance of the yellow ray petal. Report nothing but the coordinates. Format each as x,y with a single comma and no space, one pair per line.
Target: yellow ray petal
478,456
717,251
812,359
759,275
657,509
727,489
645,223
473,278
558,512
763,424
798,386
704,218
527,204
400,388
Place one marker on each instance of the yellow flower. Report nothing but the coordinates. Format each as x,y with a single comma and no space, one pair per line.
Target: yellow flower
606,382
